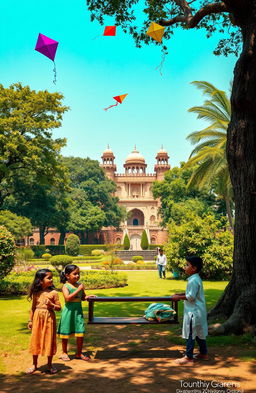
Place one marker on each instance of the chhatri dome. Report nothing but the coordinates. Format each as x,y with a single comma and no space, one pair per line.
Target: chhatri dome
108,152
135,157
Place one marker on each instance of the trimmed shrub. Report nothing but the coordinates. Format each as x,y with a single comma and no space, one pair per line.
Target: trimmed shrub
86,249
24,254
7,251
46,256
19,283
97,252
39,250
144,240
60,261
72,245
87,258
137,258
154,246
140,262
127,243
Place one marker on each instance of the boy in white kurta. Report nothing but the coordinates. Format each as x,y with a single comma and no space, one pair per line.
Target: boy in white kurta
195,314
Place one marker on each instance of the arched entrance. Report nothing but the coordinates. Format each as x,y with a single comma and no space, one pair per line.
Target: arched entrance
135,242
135,217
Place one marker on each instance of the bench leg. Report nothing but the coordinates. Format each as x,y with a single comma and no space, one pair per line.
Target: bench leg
90,312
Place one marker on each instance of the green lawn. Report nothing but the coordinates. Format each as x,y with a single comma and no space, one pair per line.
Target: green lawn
14,335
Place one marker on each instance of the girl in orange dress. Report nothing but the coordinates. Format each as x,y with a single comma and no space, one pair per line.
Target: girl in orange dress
42,322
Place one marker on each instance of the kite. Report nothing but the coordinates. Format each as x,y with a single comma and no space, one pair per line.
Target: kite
48,48
156,31
110,31
119,100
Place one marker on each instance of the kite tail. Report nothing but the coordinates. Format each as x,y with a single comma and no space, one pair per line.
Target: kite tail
111,106
160,66
54,73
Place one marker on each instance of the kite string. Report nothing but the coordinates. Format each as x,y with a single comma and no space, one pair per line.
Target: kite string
111,106
54,73
160,66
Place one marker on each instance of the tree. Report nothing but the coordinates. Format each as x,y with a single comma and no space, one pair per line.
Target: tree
45,205
7,251
210,152
126,243
72,245
93,204
176,198
237,19
17,225
204,236
144,240
26,144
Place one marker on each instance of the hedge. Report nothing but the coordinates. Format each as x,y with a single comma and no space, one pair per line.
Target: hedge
85,249
154,246
19,283
53,250
145,266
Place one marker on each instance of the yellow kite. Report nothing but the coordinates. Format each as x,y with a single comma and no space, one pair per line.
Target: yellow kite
156,31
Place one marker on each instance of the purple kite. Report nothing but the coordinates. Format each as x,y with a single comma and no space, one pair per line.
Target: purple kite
47,47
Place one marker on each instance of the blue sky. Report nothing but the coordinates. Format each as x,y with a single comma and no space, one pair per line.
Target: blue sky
91,71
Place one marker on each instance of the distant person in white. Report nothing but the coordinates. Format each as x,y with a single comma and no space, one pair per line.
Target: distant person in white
195,314
161,262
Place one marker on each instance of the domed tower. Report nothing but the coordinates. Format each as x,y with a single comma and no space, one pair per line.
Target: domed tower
108,163
162,164
135,163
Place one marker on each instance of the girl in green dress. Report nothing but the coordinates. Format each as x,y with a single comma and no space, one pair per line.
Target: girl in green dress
72,320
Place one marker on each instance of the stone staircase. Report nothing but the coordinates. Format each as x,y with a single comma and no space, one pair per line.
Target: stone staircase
126,255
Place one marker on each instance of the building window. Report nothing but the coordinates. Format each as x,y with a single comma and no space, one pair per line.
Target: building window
152,219
118,240
31,241
52,241
153,240
135,221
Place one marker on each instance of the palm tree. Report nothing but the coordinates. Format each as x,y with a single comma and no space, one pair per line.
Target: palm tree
210,152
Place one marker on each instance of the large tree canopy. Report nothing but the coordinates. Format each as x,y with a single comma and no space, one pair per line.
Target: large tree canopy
26,144
93,204
212,16
237,19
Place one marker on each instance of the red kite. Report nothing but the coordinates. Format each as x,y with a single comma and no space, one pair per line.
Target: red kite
119,100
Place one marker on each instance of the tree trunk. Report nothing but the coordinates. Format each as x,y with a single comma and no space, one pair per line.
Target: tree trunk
238,302
62,237
42,234
82,237
229,213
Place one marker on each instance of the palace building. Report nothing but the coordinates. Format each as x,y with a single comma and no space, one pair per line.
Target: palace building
135,194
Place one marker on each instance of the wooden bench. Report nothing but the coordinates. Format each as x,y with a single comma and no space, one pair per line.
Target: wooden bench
129,320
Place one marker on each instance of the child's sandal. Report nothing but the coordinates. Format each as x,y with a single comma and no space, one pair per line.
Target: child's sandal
82,357
31,370
52,370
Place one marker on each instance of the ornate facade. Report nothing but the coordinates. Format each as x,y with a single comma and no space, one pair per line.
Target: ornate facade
134,193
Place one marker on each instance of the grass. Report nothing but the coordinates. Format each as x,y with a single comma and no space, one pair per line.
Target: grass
14,336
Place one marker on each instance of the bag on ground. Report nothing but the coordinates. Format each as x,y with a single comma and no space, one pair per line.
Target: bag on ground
160,312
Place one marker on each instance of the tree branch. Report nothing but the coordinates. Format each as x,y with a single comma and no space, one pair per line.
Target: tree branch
193,20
